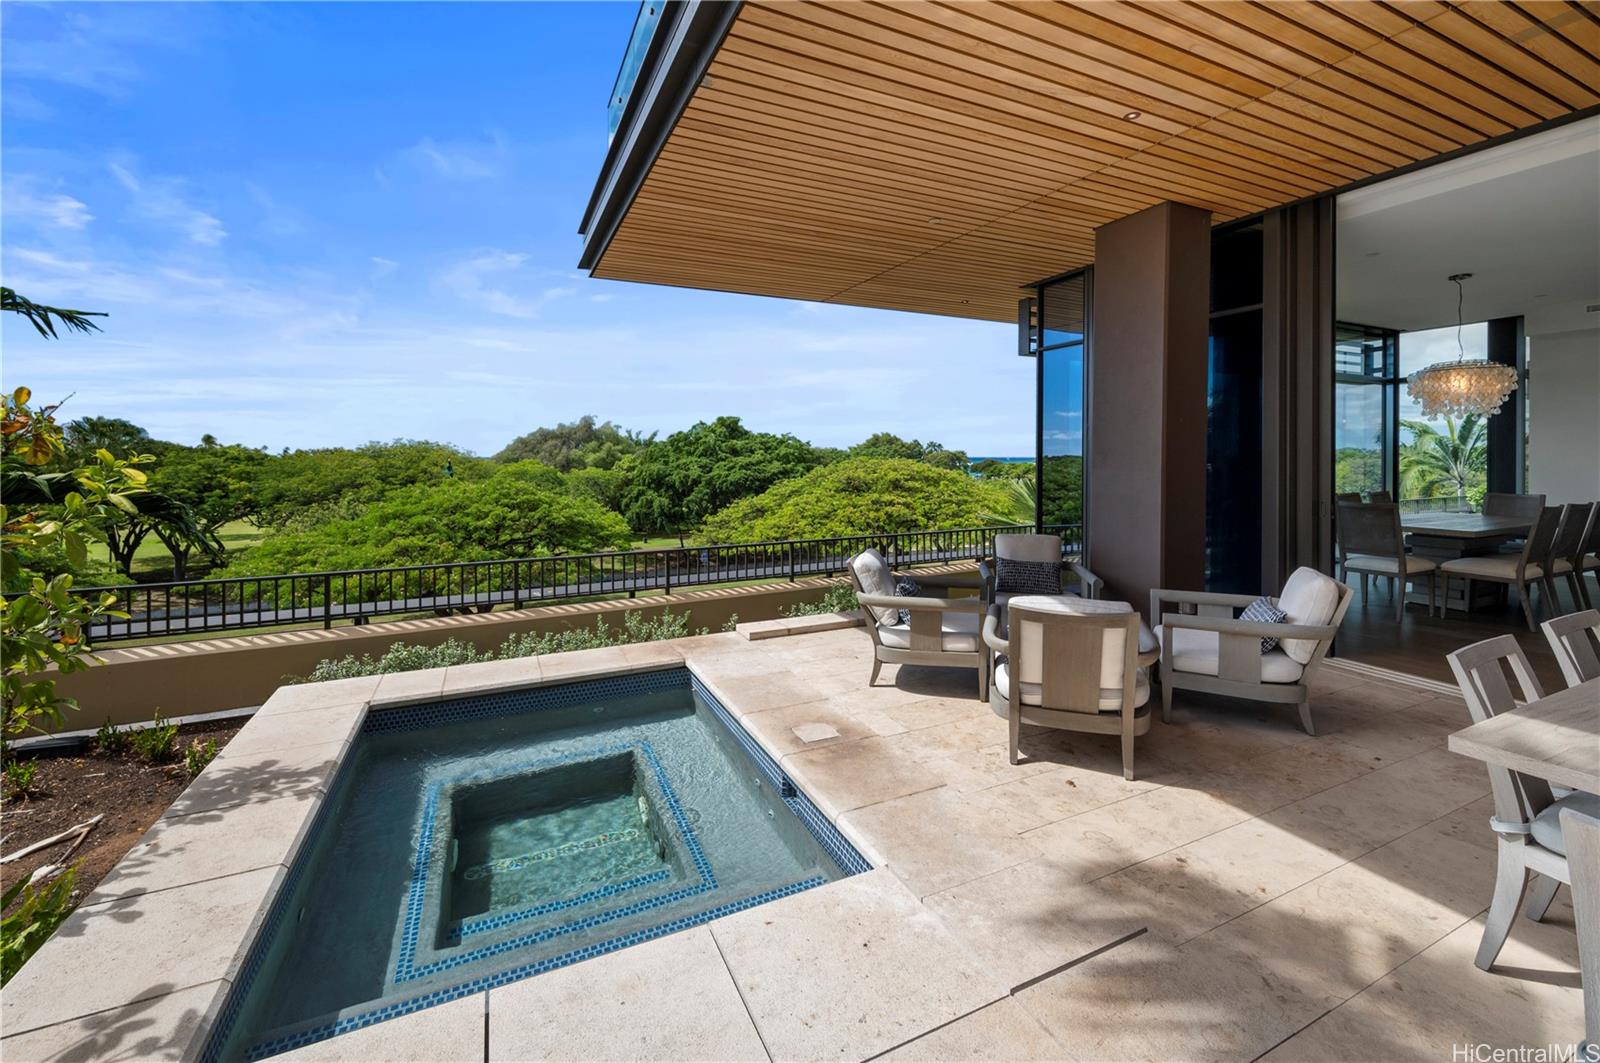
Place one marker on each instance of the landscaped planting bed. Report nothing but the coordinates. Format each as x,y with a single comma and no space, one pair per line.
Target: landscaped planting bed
126,790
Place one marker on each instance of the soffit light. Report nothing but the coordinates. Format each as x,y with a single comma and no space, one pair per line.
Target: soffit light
1462,387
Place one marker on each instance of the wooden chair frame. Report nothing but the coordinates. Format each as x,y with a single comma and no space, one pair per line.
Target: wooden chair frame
1239,649
1574,639
1072,649
927,625
1518,798
1535,552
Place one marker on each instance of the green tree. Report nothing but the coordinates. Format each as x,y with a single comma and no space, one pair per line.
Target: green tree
217,484
583,444
683,479
519,510
889,445
860,496
302,488
1448,462
84,437
1063,489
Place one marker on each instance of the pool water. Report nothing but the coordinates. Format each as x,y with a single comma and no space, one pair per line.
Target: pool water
470,843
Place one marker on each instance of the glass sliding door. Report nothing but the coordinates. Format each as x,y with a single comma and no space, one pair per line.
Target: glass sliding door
1365,360
1063,343
1233,411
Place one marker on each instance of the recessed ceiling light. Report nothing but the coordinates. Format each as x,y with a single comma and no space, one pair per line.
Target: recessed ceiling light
1132,115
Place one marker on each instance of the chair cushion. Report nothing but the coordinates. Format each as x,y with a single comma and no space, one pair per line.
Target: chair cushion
1591,562
1386,566
1560,566
1546,826
959,633
1502,567
1032,693
1308,598
1262,611
1027,577
1197,652
872,572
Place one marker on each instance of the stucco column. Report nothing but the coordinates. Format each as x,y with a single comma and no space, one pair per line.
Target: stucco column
1147,402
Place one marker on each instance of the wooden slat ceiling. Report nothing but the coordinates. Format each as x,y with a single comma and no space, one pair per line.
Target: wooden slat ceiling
935,157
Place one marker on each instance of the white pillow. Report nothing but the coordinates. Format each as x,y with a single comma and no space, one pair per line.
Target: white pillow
1308,598
872,572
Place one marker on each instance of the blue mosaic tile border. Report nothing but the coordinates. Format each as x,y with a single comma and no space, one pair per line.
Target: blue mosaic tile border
417,717
826,834
512,702
406,968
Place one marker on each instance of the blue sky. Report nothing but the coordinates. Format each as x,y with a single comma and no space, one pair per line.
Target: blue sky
319,224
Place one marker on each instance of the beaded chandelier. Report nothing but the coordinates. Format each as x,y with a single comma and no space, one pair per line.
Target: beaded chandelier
1462,387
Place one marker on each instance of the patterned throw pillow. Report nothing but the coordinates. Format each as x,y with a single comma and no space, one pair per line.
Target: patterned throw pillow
906,587
1027,577
1262,611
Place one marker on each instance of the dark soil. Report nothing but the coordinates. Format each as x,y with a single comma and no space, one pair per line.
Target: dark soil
71,789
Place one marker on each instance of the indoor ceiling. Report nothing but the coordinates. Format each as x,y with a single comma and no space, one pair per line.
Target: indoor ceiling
1523,218
936,157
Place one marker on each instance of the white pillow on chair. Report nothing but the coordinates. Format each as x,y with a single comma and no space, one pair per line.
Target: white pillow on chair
1309,598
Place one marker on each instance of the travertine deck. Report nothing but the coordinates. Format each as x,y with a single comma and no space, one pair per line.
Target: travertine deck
1255,891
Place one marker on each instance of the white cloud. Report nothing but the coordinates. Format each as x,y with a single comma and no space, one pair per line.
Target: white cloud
162,200
458,160
23,201
382,267
482,281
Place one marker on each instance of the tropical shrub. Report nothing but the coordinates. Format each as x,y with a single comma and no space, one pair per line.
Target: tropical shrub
860,496
20,775
157,743
403,658
198,755
520,510
840,598
32,915
110,740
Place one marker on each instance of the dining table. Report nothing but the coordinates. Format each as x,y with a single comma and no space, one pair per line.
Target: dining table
1441,537
1556,738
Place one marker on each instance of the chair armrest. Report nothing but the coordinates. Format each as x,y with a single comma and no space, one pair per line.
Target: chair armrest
991,633
1091,584
986,575
1252,628
915,604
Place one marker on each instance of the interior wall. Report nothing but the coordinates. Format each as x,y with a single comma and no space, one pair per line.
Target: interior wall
1564,415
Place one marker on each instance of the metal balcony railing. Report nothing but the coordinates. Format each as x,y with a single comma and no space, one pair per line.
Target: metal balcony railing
250,603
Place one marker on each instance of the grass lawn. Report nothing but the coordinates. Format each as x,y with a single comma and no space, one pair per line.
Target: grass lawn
152,561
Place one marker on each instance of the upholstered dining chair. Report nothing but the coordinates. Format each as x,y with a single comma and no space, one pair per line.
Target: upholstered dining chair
1521,571
1213,651
1069,663
1582,836
1575,639
1505,504
1371,543
1568,549
914,629
1527,816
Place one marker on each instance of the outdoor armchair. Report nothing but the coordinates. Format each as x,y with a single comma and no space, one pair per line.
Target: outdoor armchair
1033,550
942,632
1068,663
1213,651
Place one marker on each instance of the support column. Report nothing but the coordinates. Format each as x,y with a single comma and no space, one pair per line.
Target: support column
1504,430
1146,441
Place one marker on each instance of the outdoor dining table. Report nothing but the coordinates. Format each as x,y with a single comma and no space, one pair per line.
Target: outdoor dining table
1556,738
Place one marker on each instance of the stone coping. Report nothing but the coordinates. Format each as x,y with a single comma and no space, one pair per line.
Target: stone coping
167,932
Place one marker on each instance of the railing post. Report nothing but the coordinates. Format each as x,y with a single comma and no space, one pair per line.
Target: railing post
666,567
327,601
791,563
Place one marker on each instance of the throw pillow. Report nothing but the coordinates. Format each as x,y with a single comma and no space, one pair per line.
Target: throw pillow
1027,577
1262,611
906,587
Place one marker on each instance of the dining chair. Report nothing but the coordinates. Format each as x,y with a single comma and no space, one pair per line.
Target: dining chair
1340,496
1582,834
1371,543
1521,571
1590,562
1504,504
1571,547
1380,497
1526,819
1575,638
